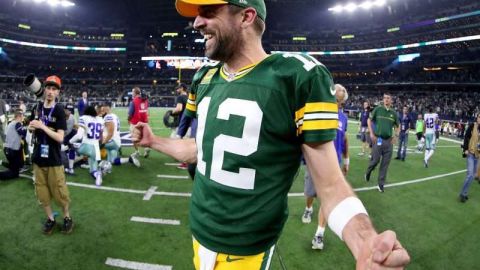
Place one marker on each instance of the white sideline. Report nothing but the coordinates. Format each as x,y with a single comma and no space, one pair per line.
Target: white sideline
410,148
156,220
172,176
394,184
136,265
187,194
125,190
173,194
150,193
107,188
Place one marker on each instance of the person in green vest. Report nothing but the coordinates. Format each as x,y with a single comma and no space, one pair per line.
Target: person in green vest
419,126
385,120
253,107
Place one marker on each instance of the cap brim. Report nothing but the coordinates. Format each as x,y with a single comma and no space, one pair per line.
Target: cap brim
52,83
189,8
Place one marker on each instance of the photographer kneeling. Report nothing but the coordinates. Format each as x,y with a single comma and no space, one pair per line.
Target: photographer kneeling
13,146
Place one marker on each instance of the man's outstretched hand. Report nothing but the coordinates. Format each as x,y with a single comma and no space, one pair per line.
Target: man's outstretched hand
384,251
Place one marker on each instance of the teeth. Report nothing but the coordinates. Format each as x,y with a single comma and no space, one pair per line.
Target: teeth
207,36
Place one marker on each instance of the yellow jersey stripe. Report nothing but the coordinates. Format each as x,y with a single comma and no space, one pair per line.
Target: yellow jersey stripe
316,107
321,107
320,124
191,107
237,75
247,67
192,96
299,114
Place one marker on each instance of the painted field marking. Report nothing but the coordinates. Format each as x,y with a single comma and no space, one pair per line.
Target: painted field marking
136,265
188,194
156,220
125,190
172,176
394,184
150,193
172,164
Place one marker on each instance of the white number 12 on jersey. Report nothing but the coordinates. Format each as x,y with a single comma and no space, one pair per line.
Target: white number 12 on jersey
244,146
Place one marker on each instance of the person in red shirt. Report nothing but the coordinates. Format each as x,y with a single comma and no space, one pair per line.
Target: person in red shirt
138,112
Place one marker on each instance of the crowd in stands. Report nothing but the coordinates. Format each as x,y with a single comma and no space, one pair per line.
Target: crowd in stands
415,75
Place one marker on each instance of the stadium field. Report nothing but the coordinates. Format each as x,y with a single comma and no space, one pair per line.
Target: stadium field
421,206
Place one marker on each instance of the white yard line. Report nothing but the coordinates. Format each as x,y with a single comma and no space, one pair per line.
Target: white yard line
395,184
412,149
172,176
107,188
173,194
172,164
188,194
125,190
156,220
136,265
150,193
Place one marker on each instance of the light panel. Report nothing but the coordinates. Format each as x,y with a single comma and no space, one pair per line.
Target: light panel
55,3
61,47
392,48
351,7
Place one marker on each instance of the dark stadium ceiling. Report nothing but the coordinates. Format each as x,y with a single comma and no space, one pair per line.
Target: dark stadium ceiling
160,15
141,10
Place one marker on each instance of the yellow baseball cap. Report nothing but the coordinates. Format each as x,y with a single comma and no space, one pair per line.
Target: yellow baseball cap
189,8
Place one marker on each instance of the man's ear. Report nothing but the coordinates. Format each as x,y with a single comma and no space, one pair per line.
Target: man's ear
249,14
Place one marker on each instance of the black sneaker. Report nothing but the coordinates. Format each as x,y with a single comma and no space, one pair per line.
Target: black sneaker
367,177
463,198
49,226
380,189
67,226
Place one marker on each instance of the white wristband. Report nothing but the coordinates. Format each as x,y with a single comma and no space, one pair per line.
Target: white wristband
343,212
346,161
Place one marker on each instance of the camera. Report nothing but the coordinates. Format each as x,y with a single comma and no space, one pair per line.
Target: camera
33,85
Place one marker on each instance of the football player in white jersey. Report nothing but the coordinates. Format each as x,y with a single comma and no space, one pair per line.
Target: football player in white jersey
90,131
112,141
430,119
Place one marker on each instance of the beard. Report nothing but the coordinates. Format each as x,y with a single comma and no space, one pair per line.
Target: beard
226,45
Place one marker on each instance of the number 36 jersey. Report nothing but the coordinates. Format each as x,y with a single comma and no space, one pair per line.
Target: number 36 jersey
250,128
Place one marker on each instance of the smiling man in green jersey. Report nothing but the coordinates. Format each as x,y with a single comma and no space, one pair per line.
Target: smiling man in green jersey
252,107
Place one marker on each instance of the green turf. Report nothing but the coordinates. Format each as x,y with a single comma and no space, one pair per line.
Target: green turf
438,231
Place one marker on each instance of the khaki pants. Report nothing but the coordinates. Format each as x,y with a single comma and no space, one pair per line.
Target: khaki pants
478,172
50,182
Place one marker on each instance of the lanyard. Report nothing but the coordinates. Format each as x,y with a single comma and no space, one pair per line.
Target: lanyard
47,120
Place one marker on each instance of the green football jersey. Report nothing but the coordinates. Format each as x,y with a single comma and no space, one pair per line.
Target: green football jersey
250,129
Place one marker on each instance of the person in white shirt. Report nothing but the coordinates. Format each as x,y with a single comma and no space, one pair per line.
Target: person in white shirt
90,131
112,142
430,119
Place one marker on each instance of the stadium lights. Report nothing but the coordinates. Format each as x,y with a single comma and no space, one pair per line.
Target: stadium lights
56,3
24,26
408,57
351,7
62,47
392,48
